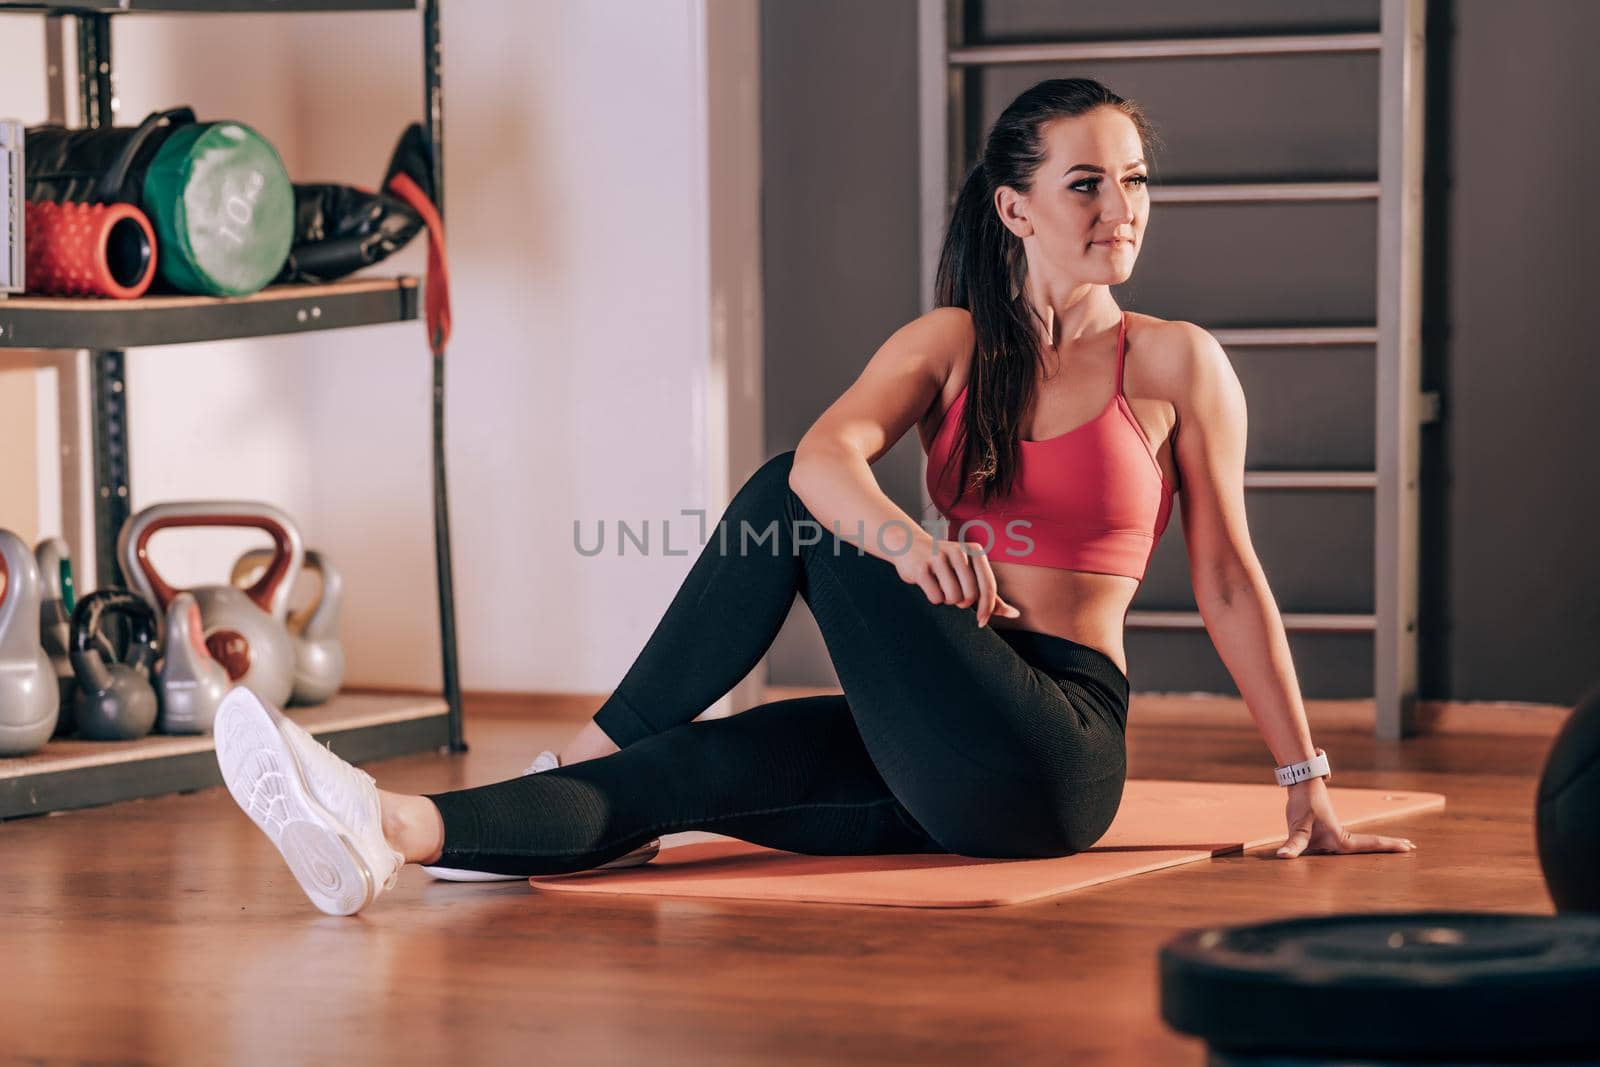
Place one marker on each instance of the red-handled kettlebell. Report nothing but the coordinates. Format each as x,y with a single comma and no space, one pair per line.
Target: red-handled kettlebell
245,629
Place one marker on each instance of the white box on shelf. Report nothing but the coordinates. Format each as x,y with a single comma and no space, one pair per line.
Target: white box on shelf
12,276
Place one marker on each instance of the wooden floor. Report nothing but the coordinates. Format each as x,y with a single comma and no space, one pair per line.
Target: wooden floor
169,931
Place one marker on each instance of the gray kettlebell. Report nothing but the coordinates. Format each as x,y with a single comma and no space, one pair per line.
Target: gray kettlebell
318,655
245,629
189,683
29,696
115,700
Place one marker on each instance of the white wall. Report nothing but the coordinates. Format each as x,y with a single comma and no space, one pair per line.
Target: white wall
577,208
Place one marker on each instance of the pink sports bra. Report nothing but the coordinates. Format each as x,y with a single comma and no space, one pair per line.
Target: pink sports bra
1091,499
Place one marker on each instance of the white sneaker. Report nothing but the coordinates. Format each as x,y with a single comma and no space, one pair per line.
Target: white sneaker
322,813
545,761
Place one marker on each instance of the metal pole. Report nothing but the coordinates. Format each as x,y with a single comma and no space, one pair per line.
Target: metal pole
933,107
941,109
433,106
1399,399
108,379
94,70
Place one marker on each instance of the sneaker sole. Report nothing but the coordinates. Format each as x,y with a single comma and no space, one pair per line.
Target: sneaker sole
266,781
637,858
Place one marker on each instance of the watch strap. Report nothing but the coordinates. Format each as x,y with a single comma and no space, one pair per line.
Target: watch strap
1315,767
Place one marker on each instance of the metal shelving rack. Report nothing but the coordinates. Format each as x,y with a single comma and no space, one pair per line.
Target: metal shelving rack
69,774
945,60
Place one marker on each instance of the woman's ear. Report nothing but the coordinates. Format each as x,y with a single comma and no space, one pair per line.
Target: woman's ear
1012,207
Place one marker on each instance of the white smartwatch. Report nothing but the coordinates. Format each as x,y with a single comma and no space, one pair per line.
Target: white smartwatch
1315,767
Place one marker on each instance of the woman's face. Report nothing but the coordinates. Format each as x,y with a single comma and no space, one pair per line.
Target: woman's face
1083,221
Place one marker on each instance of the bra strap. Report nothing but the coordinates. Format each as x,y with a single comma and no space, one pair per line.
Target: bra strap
1122,347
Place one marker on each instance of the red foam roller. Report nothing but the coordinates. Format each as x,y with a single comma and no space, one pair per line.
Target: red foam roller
89,250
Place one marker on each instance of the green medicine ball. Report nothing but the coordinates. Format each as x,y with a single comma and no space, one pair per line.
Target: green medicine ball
222,207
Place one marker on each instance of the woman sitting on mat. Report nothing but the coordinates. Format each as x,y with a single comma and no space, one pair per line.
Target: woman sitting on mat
1055,455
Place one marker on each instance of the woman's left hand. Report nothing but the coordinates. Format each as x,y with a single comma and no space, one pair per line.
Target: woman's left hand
1314,828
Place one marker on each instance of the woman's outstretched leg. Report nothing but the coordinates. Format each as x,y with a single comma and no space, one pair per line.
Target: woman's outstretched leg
790,774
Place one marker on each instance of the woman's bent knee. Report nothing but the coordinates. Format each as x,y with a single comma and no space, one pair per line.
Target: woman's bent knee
768,486
777,468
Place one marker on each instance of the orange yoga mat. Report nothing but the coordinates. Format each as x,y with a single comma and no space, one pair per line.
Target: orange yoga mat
1160,824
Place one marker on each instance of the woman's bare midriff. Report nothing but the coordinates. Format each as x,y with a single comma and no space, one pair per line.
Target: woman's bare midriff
1081,606
1074,605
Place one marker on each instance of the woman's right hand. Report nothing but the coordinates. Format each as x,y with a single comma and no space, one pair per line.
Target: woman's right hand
954,572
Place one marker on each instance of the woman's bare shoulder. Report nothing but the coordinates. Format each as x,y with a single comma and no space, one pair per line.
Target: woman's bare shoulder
1156,335
1162,354
1178,362
946,336
903,380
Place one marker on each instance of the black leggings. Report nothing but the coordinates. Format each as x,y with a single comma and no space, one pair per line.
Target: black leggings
949,737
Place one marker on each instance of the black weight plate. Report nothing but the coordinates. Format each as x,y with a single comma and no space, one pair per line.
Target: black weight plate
1247,1059
1471,985
1567,814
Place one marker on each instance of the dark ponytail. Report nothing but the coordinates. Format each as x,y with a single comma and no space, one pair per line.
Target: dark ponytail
982,269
